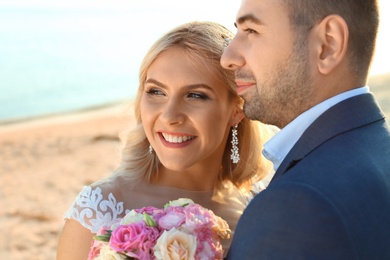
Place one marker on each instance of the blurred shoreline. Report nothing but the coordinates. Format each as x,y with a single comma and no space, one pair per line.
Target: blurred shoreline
71,112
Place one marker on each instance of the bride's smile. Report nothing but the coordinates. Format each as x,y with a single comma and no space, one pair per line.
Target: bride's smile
173,138
186,112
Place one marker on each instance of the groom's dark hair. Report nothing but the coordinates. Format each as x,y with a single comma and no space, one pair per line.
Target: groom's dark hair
361,16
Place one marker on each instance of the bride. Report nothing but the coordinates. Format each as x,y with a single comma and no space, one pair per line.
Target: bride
191,141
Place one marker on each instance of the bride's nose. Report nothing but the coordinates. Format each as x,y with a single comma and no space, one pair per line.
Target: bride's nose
173,112
231,58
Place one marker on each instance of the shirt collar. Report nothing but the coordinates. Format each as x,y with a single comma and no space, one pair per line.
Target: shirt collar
279,145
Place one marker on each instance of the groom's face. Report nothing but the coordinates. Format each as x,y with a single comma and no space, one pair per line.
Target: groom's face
270,61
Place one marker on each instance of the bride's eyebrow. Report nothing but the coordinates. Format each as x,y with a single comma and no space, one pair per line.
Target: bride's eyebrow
186,87
155,82
198,86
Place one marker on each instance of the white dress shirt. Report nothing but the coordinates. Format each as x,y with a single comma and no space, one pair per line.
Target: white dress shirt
277,148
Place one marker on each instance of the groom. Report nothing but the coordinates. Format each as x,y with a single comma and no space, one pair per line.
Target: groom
302,65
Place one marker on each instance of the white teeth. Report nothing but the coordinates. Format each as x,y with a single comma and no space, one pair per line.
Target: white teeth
176,139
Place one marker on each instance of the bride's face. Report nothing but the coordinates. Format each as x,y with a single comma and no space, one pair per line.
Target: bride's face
185,111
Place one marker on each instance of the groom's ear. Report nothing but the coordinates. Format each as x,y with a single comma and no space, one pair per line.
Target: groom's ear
330,41
237,116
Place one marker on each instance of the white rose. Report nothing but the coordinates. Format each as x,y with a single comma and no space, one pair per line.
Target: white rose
107,253
179,202
175,245
223,229
132,217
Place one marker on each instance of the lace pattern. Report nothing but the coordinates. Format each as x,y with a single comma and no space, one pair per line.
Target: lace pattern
93,211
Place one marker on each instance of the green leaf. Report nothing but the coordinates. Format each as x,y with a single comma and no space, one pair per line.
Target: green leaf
149,220
104,237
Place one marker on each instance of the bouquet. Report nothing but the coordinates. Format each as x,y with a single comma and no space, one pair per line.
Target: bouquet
181,230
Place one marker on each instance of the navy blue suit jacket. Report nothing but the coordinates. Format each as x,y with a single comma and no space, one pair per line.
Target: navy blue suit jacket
330,198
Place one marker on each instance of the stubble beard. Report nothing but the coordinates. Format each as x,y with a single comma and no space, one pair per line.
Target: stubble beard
284,93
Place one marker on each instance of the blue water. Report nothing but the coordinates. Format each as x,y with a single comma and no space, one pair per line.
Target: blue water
54,61
60,56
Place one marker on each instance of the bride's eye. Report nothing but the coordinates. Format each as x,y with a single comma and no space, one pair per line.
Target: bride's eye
154,92
197,95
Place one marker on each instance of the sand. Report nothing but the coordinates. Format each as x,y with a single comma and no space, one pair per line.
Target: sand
45,162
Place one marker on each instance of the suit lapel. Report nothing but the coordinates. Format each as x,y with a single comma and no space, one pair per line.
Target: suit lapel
344,116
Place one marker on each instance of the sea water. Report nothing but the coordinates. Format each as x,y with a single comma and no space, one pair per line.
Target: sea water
59,56
55,60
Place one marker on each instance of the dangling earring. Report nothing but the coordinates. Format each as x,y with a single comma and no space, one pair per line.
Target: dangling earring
235,156
226,42
150,149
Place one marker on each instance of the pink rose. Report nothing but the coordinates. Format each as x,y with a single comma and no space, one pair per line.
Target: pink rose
148,210
173,218
155,213
95,249
97,244
135,239
209,248
198,218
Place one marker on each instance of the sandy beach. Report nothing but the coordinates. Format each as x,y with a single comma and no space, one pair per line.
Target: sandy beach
45,163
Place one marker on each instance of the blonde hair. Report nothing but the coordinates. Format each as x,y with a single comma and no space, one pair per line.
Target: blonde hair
202,41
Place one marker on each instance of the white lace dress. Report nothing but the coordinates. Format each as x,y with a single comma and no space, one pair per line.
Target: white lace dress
93,210
101,204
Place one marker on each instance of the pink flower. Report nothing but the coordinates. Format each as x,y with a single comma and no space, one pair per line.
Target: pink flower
149,209
198,219
181,230
173,218
135,239
94,251
152,211
209,248
97,244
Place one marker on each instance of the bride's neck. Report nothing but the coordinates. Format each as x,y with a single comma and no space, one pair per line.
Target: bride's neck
200,180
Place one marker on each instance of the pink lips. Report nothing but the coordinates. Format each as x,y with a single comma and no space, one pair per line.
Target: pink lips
243,85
